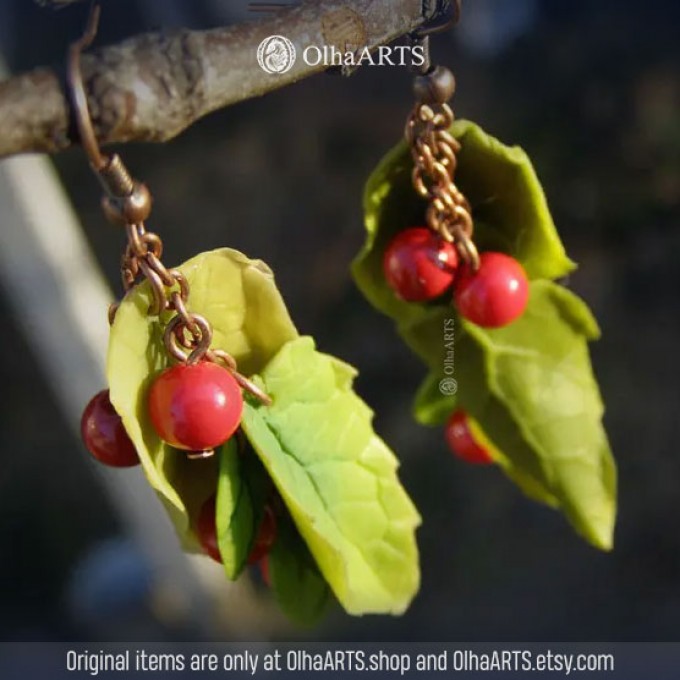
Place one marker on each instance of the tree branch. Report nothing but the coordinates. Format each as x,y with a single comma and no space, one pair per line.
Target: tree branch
153,86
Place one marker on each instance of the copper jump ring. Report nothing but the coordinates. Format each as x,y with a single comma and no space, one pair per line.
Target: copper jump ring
158,290
173,346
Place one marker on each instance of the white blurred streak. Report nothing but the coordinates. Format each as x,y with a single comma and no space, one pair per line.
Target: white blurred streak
59,299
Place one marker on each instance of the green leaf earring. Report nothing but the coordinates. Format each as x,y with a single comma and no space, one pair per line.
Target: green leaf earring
254,441
462,253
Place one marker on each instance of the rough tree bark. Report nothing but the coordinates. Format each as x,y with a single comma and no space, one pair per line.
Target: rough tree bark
152,86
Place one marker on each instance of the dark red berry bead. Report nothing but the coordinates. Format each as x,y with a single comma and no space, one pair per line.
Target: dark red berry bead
265,537
494,295
263,564
462,443
206,529
419,265
195,407
104,435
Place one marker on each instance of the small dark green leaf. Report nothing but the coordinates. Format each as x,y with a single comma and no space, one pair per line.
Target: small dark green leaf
433,403
299,587
242,489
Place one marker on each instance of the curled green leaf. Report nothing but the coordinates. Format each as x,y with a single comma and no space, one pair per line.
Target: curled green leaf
509,209
337,479
435,401
250,321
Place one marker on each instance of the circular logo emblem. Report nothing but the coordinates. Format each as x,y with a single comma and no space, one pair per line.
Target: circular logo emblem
448,386
276,54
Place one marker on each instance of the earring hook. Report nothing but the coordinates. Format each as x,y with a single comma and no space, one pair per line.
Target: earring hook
446,16
74,76
110,170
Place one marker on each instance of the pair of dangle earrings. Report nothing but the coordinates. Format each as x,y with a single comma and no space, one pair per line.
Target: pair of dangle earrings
255,441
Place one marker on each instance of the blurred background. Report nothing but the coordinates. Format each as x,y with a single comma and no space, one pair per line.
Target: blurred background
591,89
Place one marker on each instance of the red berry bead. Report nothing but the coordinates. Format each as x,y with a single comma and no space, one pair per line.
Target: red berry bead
494,295
104,435
462,443
419,265
206,529
195,407
265,537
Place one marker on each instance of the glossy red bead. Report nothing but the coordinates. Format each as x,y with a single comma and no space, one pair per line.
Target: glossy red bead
195,407
265,537
494,295
419,265
462,443
206,530
104,435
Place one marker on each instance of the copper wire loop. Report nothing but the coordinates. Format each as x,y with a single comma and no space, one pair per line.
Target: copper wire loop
159,302
434,150
192,350
200,346
129,269
217,355
157,266
177,303
466,247
152,247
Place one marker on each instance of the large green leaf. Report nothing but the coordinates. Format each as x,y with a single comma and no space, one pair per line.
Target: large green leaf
242,490
531,389
508,206
529,384
299,587
249,319
337,478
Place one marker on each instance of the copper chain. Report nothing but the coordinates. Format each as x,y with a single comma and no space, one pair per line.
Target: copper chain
187,336
434,150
